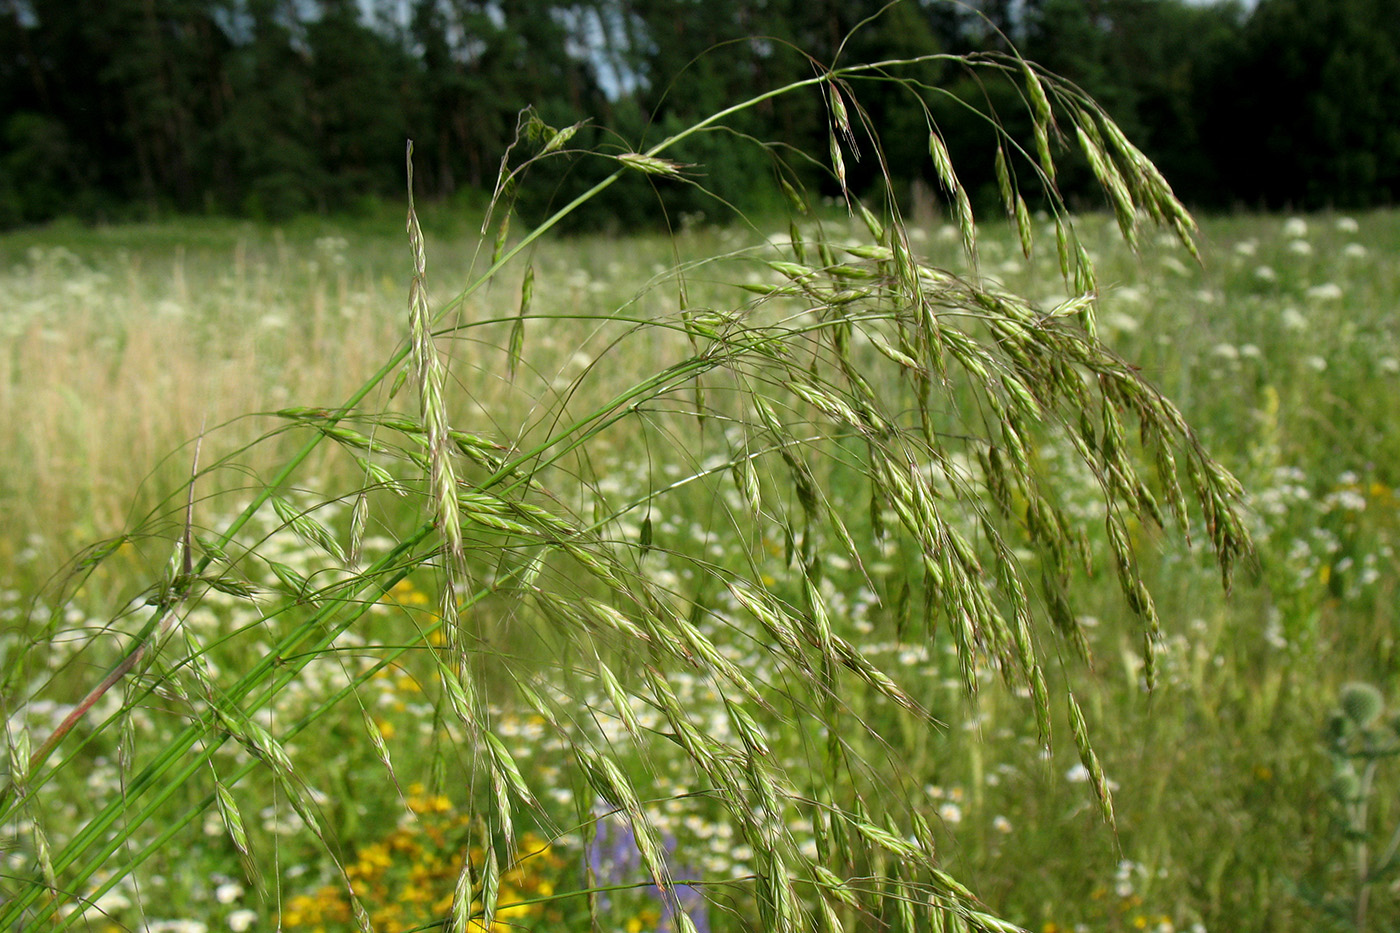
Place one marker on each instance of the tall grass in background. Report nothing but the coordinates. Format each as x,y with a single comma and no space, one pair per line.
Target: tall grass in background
567,592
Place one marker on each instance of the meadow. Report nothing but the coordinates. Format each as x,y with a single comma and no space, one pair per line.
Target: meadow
1232,805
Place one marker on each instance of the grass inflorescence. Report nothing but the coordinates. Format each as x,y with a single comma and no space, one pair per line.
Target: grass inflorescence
774,591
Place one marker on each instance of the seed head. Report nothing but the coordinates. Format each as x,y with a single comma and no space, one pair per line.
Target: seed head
1361,702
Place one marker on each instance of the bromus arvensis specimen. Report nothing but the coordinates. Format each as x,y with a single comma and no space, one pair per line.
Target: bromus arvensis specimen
834,413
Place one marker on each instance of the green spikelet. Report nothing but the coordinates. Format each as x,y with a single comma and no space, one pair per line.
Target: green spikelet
1080,731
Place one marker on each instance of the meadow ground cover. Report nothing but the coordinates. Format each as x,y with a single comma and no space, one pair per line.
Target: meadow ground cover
121,345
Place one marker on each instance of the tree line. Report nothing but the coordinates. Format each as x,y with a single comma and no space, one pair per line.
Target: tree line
112,109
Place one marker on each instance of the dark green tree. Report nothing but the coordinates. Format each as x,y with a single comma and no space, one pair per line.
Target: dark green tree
1155,65
264,144
356,74
1313,117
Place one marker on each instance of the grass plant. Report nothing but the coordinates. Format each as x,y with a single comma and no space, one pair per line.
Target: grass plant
779,559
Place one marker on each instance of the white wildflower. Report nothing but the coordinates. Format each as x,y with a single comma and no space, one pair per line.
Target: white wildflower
241,920
1328,291
1300,248
1295,228
1265,273
1354,251
1348,224
228,892
1348,500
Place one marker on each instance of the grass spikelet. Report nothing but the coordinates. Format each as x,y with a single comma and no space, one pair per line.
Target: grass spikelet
962,204
840,118
1022,217
292,581
233,825
461,910
17,747
359,518
308,529
1063,248
1043,118
44,855
498,248
1108,175
1080,732
746,479
778,905
796,202
593,564
502,811
709,654
490,886
904,898
705,751
888,841
618,697
462,695
560,138
749,730
504,763
1003,173
838,163
429,377
774,620
517,331
872,223
381,747
649,164
681,919
613,786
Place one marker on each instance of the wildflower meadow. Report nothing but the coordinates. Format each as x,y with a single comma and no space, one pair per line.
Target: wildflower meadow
835,571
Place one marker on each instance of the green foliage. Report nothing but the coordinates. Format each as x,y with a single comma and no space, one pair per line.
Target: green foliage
1328,73
271,109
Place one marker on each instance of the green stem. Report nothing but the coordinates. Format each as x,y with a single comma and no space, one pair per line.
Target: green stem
1361,852
262,672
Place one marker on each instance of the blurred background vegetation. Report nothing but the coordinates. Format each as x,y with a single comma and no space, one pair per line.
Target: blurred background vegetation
125,109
